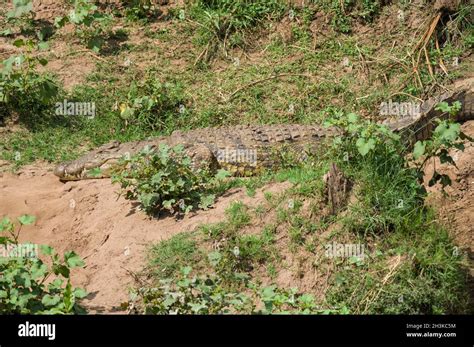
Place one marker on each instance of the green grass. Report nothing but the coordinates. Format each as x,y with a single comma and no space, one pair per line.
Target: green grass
413,270
169,256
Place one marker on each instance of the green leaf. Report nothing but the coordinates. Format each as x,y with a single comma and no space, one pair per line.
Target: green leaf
43,46
6,32
186,270
197,307
18,43
157,178
214,258
61,270
80,293
46,250
49,300
419,149
47,90
365,146
21,7
6,224
168,204
352,118
38,270
448,131
59,22
207,201
26,219
222,174
42,61
178,149
73,260
95,43
443,107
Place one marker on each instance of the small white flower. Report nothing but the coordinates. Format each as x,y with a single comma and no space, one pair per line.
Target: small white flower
236,251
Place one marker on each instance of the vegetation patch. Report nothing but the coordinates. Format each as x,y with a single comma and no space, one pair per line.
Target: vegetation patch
29,285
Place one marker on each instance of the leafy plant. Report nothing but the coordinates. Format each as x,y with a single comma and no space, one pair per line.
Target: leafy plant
196,295
344,12
166,180
22,88
446,135
209,295
91,25
21,8
169,256
30,286
152,104
387,189
139,9
281,301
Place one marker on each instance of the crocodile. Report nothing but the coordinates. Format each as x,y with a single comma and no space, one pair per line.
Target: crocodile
245,150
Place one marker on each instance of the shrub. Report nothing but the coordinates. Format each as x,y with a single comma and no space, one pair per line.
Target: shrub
209,295
166,180
389,184
30,286
91,25
153,104
23,90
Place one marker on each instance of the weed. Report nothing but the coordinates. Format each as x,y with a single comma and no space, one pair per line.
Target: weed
208,295
165,179
153,104
30,286
222,24
414,273
91,25
23,90
169,256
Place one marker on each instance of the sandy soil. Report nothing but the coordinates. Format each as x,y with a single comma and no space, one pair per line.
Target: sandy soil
89,218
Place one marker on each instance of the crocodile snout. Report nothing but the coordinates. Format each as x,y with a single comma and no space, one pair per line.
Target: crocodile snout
68,171
60,170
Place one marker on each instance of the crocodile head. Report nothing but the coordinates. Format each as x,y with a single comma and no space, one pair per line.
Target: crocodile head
105,160
96,164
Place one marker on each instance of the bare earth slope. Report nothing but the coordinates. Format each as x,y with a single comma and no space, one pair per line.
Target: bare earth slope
89,218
